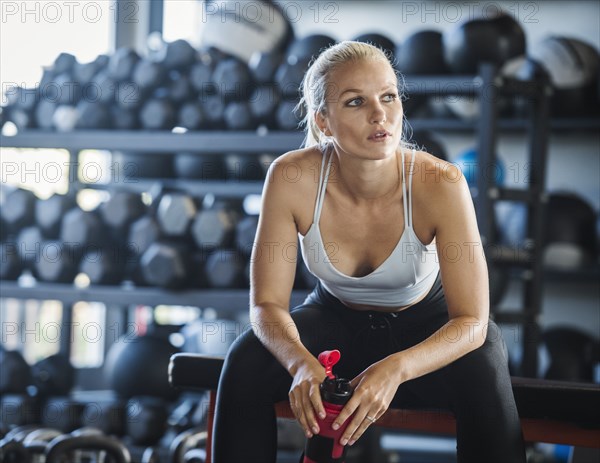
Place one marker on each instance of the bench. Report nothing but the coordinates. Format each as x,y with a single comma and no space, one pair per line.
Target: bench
557,412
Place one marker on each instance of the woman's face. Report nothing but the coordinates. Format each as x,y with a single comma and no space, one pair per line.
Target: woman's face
364,111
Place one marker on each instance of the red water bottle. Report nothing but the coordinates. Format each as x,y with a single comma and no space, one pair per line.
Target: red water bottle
325,447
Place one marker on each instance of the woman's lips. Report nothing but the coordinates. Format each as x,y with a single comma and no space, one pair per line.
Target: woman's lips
379,138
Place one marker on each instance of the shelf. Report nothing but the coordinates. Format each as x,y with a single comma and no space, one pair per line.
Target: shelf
158,142
587,274
226,301
248,142
192,187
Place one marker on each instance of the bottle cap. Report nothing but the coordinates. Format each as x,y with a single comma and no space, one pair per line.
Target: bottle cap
328,359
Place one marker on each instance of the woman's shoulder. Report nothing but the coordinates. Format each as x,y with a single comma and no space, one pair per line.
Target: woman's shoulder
296,168
435,173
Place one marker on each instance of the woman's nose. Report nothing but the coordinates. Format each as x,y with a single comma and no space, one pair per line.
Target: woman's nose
378,114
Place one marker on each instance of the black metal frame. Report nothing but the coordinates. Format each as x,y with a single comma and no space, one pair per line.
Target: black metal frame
487,83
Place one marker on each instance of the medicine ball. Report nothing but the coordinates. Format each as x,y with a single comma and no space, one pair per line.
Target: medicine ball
422,53
139,366
53,376
380,41
211,337
496,40
468,163
511,218
573,354
570,231
427,141
309,46
525,69
573,66
242,28
15,374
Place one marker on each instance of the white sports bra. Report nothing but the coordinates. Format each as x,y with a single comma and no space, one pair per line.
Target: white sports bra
404,277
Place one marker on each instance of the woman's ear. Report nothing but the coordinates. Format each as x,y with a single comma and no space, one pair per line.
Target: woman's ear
321,122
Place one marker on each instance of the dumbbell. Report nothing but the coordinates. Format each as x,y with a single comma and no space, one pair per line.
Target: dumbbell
82,230
108,416
62,413
243,167
263,102
28,243
57,262
287,116
225,268
49,213
123,118
106,265
233,80
246,233
122,63
200,76
21,103
184,442
158,114
18,210
121,210
215,227
192,117
172,265
10,263
63,446
263,65
214,110
20,410
179,88
177,55
238,116
85,72
146,420
150,455
12,451
142,233
37,440
175,213
149,74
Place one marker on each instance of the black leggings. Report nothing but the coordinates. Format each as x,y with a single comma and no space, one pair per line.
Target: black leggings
476,387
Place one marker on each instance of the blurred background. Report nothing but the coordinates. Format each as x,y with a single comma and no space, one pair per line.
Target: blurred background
136,136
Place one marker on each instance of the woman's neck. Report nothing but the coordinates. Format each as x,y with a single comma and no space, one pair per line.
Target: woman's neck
366,181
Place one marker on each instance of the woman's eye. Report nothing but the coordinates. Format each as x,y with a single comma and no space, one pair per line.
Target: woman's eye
391,96
354,102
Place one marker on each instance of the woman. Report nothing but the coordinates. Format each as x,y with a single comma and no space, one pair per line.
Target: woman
391,234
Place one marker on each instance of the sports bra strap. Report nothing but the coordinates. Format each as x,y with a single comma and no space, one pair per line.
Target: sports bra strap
322,185
410,179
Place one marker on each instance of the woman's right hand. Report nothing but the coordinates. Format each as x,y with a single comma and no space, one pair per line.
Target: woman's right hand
305,397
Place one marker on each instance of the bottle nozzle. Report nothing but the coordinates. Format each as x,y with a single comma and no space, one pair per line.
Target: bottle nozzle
328,359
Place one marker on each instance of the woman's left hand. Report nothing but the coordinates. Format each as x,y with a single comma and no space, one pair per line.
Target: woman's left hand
374,390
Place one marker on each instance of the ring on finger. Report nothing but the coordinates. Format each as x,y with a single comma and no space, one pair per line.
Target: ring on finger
371,419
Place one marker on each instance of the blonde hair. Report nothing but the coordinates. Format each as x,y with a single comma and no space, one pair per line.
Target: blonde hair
316,80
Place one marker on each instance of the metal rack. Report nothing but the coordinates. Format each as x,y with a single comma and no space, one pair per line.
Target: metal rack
487,127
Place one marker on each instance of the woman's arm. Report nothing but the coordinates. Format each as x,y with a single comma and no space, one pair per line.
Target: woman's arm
465,281
464,278
272,271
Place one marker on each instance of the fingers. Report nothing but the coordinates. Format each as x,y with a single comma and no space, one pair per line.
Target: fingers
359,423
358,426
304,401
